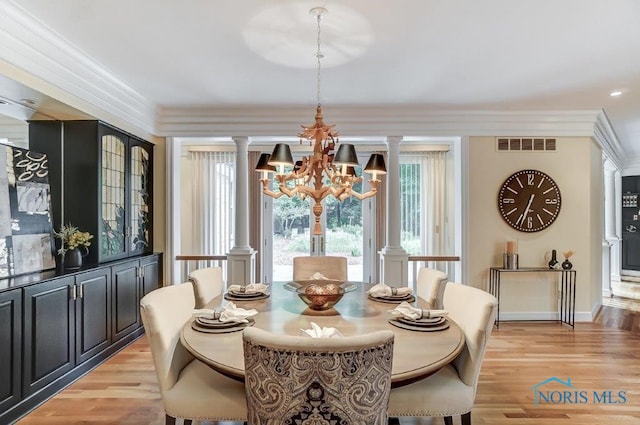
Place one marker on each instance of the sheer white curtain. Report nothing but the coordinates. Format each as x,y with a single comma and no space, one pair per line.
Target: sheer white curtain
423,209
434,203
212,215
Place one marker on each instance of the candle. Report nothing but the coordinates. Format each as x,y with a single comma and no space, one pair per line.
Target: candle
511,247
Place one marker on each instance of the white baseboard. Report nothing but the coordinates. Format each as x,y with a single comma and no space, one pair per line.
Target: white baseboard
581,316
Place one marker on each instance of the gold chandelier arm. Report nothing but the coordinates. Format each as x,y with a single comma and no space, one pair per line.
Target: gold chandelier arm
266,191
369,194
289,192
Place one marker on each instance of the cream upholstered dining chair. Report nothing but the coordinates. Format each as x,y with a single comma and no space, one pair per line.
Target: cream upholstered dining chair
452,390
207,284
331,267
430,287
189,389
297,379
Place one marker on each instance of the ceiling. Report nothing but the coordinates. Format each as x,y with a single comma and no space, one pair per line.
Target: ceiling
444,55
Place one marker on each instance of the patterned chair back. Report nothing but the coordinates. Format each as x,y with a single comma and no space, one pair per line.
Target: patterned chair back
302,380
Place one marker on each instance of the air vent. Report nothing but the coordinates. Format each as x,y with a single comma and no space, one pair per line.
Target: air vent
513,144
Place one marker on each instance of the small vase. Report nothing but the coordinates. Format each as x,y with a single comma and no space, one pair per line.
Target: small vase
566,265
554,260
72,259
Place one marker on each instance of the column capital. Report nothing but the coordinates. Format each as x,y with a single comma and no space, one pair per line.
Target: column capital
393,140
239,140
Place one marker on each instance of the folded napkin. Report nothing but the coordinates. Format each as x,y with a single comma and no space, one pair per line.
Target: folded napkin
252,288
404,309
318,276
383,290
206,313
318,332
230,313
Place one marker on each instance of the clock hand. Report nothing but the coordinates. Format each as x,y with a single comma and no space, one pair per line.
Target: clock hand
526,210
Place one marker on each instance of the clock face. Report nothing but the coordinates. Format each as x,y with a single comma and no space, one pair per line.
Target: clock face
529,200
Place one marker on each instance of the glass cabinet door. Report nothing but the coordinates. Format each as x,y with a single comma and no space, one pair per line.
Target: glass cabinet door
140,198
112,232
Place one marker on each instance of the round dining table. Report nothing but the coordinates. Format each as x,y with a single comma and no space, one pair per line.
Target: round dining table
416,354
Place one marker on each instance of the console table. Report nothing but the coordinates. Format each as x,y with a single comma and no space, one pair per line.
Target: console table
567,302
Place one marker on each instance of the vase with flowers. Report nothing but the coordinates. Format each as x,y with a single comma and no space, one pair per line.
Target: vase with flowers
74,245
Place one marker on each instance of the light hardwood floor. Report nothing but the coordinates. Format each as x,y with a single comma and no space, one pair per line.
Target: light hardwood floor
520,355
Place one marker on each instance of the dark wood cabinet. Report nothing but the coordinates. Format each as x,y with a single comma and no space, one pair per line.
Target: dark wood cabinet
113,171
106,176
93,313
56,328
151,268
126,299
10,348
48,333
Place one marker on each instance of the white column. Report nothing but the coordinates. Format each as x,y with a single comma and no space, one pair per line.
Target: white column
394,260
241,258
612,244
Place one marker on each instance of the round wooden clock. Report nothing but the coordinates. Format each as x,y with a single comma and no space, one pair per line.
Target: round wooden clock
529,200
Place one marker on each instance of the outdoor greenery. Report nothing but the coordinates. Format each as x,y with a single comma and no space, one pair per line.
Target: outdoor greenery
344,220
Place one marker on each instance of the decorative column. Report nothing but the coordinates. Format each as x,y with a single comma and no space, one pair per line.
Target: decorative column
612,244
241,258
394,260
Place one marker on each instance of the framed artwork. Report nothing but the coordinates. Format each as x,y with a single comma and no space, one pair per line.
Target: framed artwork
26,232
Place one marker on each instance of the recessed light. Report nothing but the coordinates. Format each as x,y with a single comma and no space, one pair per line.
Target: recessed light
615,93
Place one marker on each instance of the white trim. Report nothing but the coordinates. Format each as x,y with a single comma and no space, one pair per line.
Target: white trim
462,216
606,138
173,210
411,121
67,73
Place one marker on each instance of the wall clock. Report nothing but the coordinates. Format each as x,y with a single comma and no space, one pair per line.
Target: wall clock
529,200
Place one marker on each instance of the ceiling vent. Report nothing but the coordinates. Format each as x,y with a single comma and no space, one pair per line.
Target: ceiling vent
513,144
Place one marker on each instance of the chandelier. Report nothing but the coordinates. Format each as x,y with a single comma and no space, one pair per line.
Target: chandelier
323,172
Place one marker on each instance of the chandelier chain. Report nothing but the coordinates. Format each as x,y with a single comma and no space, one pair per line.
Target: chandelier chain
319,56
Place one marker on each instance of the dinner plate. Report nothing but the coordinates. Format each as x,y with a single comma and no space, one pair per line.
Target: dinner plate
419,328
239,294
237,327
233,297
394,300
215,323
425,321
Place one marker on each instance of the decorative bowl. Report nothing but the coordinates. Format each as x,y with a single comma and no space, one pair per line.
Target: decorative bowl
320,297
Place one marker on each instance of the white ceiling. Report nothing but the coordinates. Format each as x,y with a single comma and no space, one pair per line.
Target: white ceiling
443,55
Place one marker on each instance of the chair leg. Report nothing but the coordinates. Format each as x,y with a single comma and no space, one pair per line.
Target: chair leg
169,420
466,418
448,420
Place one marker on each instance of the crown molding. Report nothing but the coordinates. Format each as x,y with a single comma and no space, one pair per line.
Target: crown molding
66,73
373,121
606,137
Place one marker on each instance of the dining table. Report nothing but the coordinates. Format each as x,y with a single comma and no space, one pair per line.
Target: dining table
416,354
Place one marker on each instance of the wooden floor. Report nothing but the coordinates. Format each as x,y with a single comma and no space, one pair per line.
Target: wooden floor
594,356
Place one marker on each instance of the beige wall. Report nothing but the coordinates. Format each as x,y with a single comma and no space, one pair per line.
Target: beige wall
576,168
